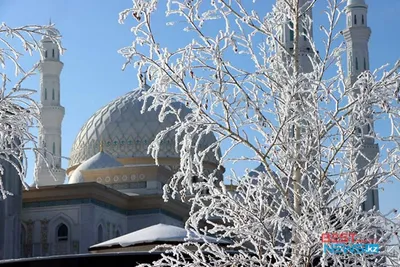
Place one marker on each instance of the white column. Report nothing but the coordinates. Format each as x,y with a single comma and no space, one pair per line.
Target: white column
52,114
357,34
304,43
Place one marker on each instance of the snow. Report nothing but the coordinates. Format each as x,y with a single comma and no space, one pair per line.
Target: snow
156,233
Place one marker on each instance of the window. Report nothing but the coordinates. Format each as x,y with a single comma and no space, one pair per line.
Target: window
45,93
356,63
100,234
53,53
52,94
62,233
291,131
291,32
54,148
362,19
355,19
45,54
373,198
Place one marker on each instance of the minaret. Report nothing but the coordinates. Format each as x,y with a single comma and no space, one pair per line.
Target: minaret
357,34
304,43
52,114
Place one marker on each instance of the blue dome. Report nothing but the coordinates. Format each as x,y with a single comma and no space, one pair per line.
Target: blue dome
99,161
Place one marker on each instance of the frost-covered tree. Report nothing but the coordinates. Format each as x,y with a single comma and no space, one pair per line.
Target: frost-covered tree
19,113
257,80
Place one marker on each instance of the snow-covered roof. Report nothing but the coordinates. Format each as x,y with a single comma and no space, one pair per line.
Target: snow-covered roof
155,234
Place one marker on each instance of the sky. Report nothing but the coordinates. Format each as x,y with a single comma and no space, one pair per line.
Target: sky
92,75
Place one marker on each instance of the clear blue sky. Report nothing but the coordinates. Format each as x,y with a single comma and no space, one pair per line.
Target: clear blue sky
92,74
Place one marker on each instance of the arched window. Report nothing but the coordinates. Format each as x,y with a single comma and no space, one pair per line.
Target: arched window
99,234
356,63
362,19
355,19
54,148
53,53
45,93
52,94
117,233
45,54
62,233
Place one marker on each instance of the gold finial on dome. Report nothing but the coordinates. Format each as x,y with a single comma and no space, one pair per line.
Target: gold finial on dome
101,145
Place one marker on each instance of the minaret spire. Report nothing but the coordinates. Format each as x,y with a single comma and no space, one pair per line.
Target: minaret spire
52,114
357,34
305,28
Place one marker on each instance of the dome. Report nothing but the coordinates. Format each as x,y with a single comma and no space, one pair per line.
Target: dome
126,132
99,161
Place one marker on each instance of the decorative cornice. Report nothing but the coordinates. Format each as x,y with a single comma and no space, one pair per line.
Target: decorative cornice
81,201
101,195
355,33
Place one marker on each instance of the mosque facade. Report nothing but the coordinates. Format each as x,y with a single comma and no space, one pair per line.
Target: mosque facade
113,186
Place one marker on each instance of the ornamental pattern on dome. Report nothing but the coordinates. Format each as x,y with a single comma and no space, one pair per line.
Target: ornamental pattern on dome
125,132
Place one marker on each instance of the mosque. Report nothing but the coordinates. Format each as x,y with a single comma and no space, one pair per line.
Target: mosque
113,186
